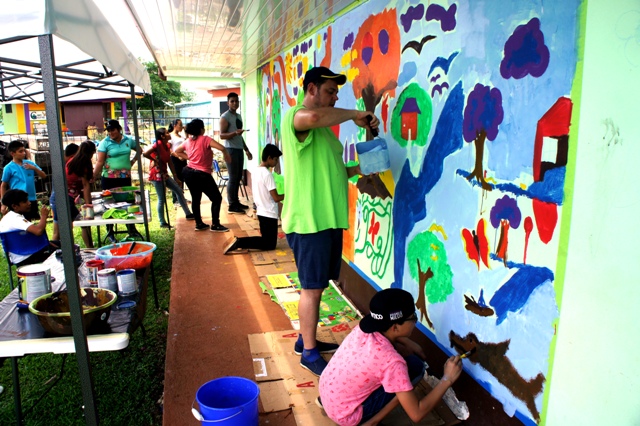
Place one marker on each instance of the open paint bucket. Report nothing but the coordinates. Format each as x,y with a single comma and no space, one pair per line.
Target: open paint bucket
373,155
230,401
35,281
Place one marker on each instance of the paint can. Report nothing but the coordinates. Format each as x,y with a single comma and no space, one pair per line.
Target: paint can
126,282
35,281
107,279
87,212
93,267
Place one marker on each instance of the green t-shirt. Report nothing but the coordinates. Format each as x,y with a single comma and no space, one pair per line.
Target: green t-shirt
315,184
118,163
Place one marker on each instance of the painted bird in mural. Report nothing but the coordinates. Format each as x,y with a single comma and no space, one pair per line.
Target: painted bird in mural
418,45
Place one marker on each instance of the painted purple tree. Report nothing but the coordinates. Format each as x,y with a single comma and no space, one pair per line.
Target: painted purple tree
525,52
482,116
504,214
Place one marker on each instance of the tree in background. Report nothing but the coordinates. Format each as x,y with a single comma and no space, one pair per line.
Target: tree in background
165,93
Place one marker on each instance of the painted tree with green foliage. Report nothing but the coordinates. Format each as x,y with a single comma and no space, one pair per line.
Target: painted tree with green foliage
428,265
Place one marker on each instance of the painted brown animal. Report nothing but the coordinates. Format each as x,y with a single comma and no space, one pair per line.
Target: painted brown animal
492,357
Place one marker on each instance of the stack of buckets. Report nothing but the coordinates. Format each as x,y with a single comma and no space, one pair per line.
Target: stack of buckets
229,401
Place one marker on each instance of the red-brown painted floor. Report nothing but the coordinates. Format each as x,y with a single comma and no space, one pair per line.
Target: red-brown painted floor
215,303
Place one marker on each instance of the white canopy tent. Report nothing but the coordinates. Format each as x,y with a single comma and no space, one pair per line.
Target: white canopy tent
42,73
91,60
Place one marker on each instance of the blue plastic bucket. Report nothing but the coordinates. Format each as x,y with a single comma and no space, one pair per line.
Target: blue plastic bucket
373,156
228,401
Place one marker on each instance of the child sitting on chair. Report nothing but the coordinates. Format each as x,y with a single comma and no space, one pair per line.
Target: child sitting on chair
377,366
18,203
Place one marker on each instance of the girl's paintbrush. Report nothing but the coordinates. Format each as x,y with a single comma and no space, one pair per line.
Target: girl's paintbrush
468,354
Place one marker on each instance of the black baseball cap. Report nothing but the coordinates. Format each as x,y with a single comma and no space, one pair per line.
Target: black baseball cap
113,124
388,307
318,74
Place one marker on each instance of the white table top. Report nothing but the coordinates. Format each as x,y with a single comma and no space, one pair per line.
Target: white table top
63,345
99,221
21,333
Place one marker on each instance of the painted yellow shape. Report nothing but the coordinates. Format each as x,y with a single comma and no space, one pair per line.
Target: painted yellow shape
22,124
345,60
440,229
324,307
434,247
387,178
523,186
434,257
492,180
352,74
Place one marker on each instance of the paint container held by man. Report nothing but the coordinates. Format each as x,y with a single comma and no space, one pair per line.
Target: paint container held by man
35,281
373,155
126,282
93,267
107,279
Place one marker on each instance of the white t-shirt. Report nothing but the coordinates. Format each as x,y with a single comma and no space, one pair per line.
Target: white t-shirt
13,221
263,182
176,141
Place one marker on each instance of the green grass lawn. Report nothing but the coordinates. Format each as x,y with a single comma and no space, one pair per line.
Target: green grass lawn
128,383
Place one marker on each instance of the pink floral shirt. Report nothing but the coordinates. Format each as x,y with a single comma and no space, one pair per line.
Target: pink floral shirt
363,363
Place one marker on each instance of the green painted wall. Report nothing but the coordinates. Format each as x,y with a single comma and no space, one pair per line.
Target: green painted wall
10,120
596,372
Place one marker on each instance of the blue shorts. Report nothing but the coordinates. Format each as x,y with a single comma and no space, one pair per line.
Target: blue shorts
318,257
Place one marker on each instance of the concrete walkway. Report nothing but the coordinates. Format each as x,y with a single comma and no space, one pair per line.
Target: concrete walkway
215,303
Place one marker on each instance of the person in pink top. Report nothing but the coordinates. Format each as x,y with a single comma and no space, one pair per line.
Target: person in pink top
197,175
160,155
377,366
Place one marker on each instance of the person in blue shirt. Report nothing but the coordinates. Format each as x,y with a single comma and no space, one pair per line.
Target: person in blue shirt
20,174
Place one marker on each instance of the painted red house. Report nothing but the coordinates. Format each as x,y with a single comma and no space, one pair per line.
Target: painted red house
409,118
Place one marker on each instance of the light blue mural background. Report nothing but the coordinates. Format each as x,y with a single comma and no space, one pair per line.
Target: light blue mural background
453,203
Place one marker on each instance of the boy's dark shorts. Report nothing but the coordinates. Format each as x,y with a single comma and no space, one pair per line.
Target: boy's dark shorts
318,257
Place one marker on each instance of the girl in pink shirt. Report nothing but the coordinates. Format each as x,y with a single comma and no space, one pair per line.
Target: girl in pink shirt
197,175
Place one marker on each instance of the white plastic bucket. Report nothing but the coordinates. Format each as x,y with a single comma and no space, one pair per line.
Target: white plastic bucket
126,282
35,281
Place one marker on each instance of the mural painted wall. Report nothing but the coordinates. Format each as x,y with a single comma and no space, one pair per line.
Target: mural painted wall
475,102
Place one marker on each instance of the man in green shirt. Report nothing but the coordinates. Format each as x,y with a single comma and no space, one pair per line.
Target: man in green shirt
315,210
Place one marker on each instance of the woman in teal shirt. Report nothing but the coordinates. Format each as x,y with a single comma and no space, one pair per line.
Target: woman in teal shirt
114,166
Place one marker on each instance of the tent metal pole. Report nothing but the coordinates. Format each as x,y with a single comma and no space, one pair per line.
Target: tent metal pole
143,196
65,224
